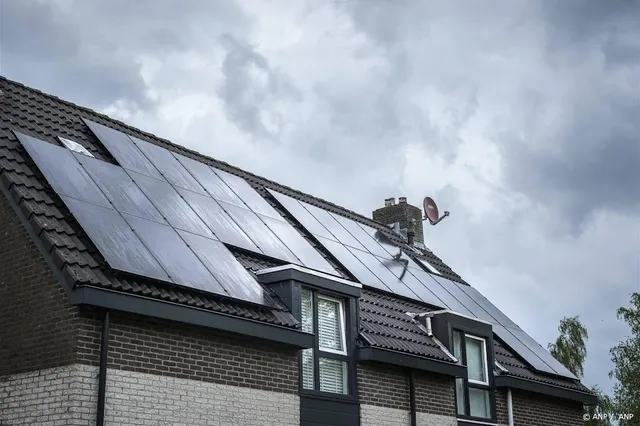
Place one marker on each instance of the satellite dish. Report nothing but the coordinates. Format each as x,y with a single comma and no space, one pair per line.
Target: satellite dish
431,211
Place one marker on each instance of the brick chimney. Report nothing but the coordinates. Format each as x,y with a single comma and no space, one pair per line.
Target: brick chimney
401,213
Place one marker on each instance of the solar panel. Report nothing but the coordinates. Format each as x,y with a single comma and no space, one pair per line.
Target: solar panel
500,318
114,238
455,290
181,264
441,292
249,195
385,275
428,265
364,237
351,262
300,247
424,293
264,238
171,205
338,233
123,150
61,169
172,170
553,364
521,349
210,181
227,270
119,188
302,215
218,220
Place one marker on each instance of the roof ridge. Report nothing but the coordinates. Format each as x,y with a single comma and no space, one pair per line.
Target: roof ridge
340,209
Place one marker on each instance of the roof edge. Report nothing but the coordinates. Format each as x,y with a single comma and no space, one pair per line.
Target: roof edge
110,299
400,359
507,381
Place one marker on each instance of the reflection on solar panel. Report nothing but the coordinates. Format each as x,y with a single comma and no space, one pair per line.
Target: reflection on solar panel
172,170
355,247
224,266
140,223
123,150
210,181
65,175
115,239
172,206
119,188
249,195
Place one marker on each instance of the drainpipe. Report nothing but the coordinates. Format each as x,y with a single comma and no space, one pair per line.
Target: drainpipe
102,378
510,407
412,397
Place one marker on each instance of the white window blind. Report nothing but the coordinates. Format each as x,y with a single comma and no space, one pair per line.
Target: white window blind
479,403
307,310
333,375
476,360
330,325
307,369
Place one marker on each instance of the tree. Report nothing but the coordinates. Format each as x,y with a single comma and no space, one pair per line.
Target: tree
570,348
626,360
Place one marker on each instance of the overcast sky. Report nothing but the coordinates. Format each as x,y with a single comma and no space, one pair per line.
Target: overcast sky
520,117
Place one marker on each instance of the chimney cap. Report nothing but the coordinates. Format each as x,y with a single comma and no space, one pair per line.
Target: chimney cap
402,200
389,202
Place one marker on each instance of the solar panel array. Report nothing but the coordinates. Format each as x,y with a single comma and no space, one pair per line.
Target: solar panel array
354,245
160,221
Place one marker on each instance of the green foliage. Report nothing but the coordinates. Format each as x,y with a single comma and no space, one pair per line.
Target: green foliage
626,359
571,346
598,414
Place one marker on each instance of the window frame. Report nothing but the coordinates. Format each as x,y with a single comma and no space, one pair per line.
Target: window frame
347,356
470,383
342,325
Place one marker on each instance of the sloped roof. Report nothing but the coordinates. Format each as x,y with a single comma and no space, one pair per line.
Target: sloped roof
383,324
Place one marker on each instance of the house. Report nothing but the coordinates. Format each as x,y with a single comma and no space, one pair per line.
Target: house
144,283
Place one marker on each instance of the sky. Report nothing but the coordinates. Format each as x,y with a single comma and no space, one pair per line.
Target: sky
519,117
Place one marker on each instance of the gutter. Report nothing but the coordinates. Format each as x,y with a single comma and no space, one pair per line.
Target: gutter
102,378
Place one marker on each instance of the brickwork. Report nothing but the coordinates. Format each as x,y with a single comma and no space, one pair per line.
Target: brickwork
401,213
68,396
435,394
383,386
54,396
38,324
429,419
375,415
148,345
531,409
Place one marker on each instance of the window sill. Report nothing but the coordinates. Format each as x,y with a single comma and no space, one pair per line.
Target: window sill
476,422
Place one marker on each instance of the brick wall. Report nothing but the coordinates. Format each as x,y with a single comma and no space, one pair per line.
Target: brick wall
37,323
383,385
401,213
68,396
154,346
531,409
435,394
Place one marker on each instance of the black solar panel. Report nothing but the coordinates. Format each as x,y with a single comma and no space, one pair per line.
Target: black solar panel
217,219
181,264
302,215
224,266
63,172
172,170
172,206
123,150
116,241
210,181
119,188
249,195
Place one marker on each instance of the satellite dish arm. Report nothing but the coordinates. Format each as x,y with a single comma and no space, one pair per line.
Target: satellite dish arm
446,214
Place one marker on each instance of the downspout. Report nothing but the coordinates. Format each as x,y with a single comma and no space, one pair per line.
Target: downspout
102,378
510,407
412,398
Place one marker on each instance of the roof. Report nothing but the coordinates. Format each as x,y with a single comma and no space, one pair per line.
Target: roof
383,322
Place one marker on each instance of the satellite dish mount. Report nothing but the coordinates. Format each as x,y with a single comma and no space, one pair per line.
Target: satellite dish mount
431,211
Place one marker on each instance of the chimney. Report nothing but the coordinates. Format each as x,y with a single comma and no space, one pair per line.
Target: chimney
402,213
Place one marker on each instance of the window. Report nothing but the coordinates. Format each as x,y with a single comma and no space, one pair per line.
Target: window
324,368
473,394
